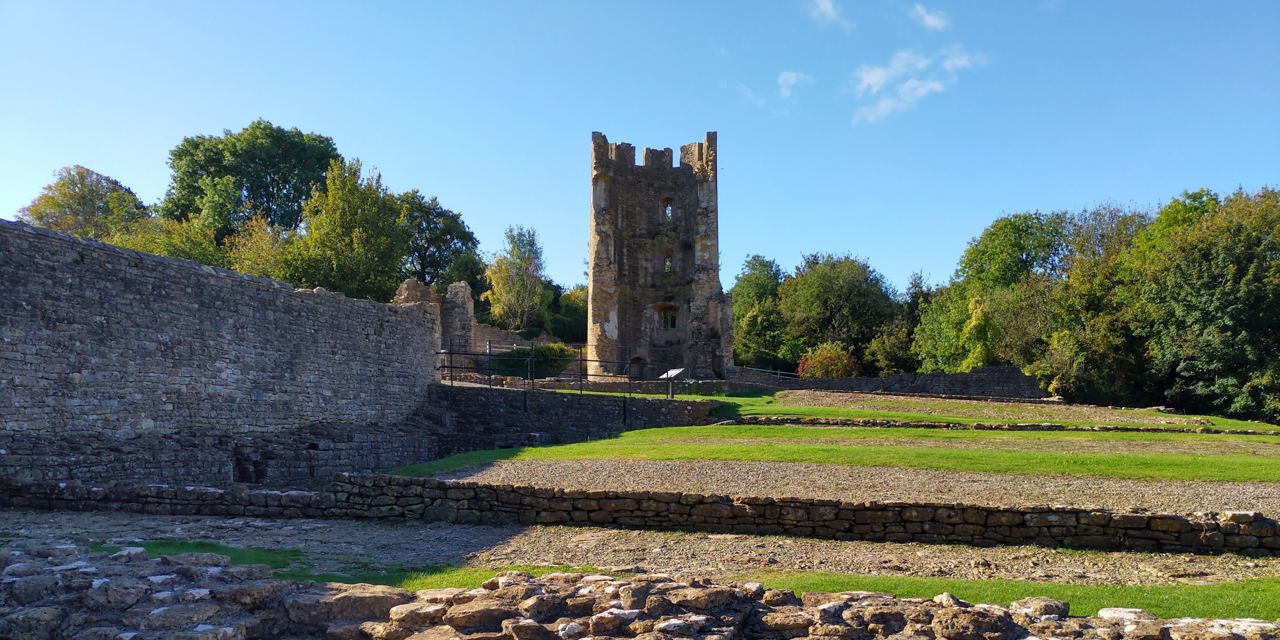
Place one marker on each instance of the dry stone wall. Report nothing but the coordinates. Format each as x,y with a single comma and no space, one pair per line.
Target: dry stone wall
364,496
493,418
981,382
119,364
102,339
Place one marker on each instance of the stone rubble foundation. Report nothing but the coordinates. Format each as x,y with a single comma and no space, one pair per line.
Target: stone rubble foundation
68,592
394,497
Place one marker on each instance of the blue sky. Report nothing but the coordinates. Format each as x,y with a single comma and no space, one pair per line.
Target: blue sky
894,131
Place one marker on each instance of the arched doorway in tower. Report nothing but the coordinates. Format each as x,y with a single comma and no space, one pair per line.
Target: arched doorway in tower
637,369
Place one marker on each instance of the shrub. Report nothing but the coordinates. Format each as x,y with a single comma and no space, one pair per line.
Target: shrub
548,361
828,360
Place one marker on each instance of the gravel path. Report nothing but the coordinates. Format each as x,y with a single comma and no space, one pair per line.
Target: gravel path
861,484
340,546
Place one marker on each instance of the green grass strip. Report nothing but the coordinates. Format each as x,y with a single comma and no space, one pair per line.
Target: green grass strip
274,558
779,444
764,405
1259,598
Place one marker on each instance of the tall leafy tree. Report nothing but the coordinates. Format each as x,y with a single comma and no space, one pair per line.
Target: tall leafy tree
355,241
1209,301
834,299
1093,354
1010,271
85,203
757,323
1015,247
437,237
518,294
262,170
890,352
568,314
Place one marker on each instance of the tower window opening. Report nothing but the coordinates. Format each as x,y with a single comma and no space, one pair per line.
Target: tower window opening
667,318
667,267
667,213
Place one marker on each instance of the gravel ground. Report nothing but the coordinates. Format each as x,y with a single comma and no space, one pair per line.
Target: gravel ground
862,484
339,546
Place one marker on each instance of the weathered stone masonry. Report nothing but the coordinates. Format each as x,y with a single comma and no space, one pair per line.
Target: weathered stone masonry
97,338
361,496
118,363
122,366
654,296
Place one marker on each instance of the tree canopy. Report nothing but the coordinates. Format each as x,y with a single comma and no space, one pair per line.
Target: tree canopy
355,239
518,293
437,237
262,170
83,202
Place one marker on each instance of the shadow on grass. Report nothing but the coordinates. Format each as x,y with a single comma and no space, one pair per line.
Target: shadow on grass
730,405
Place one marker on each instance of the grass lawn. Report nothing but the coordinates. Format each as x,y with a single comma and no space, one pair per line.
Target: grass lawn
1244,599
863,406
1087,453
1249,598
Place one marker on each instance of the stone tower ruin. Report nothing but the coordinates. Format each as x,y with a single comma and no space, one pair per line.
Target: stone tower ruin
654,300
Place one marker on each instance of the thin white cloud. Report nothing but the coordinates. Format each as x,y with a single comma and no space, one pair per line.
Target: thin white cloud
825,12
957,58
932,20
872,79
750,95
913,90
788,80
908,78
905,96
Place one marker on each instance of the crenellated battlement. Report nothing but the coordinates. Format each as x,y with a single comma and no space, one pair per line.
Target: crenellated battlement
610,158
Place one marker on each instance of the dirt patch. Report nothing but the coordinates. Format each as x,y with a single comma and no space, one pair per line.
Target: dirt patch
886,484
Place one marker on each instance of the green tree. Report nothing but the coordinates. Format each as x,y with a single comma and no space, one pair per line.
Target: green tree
936,340
757,323
890,351
259,249
1015,247
437,237
1012,270
1093,354
834,299
262,170
83,202
518,294
568,315
1208,300
354,240
187,239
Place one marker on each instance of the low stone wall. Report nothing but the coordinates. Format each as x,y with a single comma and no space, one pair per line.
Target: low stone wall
355,496
310,455
495,418
694,387
981,382
449,420
1007,383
